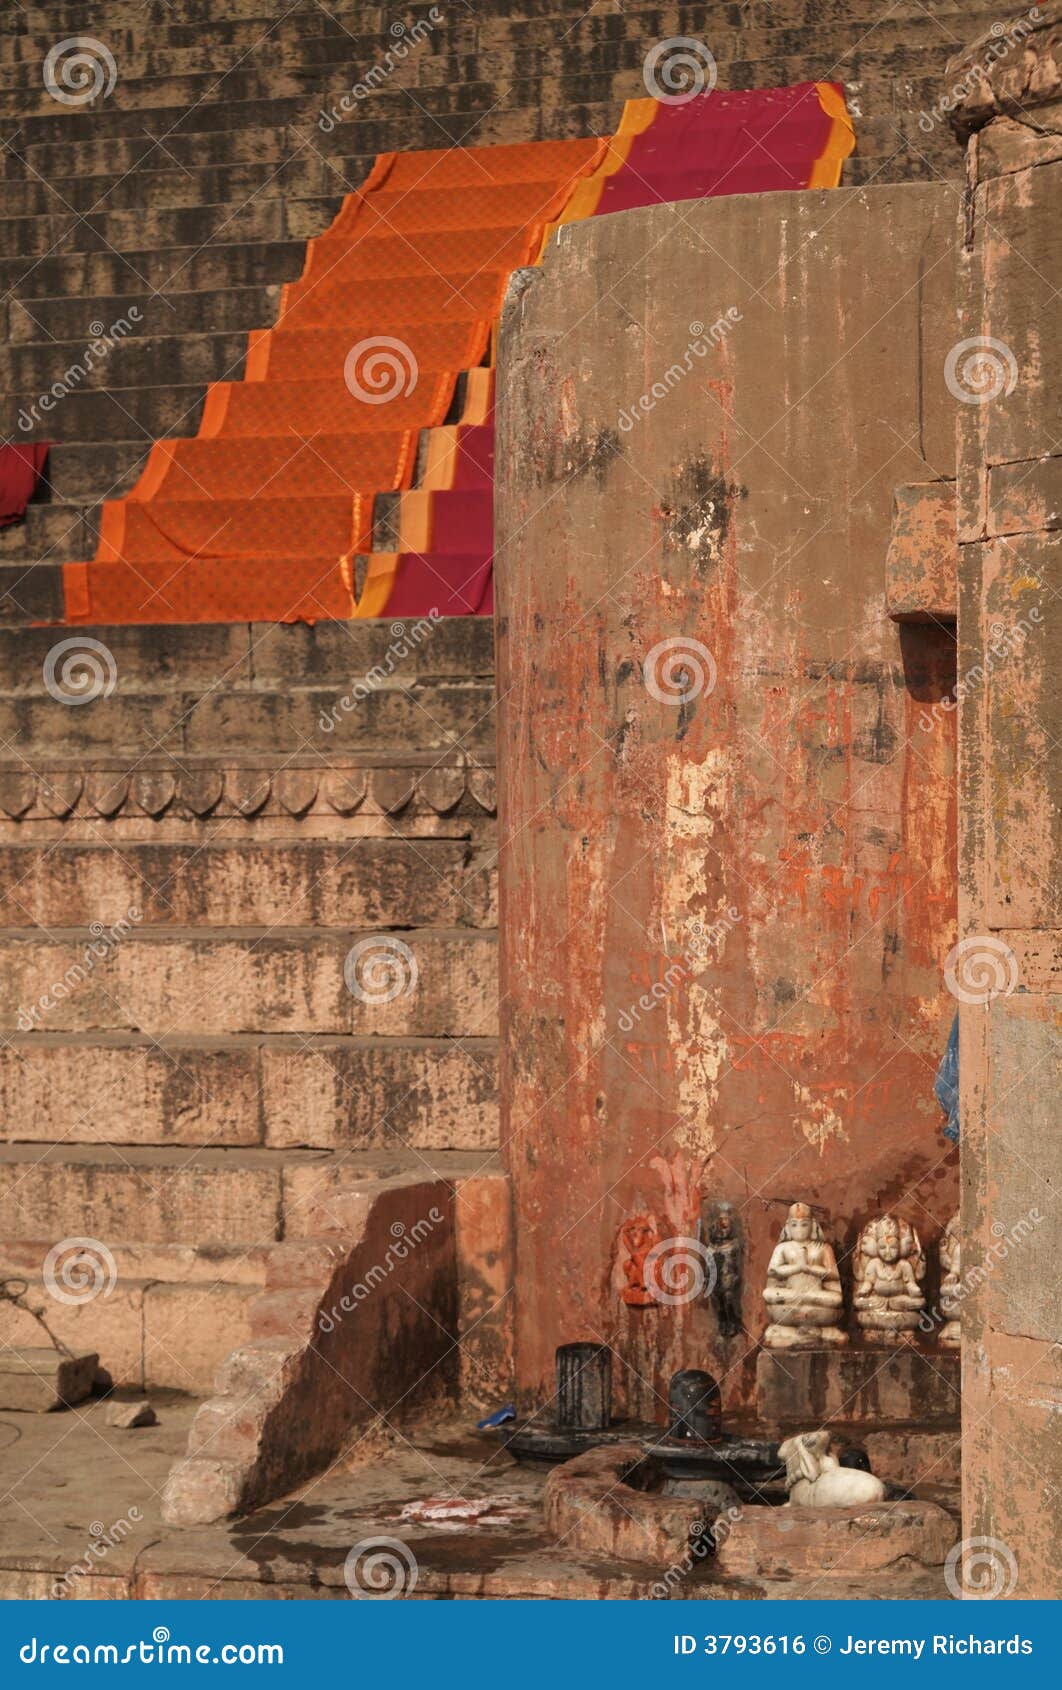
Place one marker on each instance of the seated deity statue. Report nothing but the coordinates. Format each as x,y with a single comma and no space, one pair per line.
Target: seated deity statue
889,1269
950,1284
803,1291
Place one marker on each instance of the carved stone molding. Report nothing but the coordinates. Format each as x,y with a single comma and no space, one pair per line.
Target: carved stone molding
242,789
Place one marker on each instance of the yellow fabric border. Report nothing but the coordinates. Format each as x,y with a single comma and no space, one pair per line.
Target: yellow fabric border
826,170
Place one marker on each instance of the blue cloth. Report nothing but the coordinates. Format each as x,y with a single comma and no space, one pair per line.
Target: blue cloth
946,1084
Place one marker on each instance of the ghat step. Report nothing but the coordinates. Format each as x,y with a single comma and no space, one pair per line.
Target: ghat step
317,1092
421,982
364,885
148,1195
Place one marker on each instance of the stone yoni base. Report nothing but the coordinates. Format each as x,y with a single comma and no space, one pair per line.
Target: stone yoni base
809,1388
788,1542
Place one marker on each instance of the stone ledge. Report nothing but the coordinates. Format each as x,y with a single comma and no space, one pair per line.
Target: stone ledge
790,1542
590,1507
799,1388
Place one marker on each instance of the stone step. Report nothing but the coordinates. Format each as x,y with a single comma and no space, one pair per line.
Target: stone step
325,54
249,219
108,413
142,1195
464,72
245,24
224,265
421,982
63,530
216,655
149,1333
429,714
227,309
303,177
361,886
140,359
242,99
319,1092
30,593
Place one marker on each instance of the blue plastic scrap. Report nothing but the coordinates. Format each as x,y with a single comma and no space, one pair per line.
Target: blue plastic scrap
946,1084
498,1418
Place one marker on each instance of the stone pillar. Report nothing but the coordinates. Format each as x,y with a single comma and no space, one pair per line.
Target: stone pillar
728,873
1005,373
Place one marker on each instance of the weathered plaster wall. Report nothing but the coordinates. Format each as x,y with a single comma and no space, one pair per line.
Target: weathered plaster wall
807,787
1011,793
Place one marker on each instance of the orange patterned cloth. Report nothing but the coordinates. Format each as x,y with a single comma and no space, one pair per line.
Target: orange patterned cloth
261,516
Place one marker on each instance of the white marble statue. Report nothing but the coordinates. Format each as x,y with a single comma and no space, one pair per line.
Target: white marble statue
950,1285
815,1479
803,1291
889,1269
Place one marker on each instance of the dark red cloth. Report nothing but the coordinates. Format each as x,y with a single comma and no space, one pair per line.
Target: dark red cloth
20,471
721,143
450,583
475,457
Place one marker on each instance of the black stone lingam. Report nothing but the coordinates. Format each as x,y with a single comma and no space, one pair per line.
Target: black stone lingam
582,1417
696,1449
694,1406
584,1387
